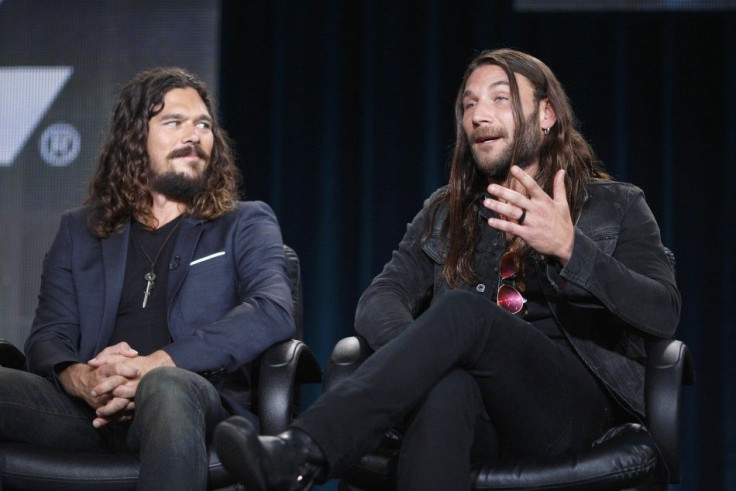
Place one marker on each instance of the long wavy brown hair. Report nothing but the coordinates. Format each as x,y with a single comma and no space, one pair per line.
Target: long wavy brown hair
563,148
120,187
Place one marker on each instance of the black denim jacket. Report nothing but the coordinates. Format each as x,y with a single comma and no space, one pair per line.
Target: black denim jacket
617,291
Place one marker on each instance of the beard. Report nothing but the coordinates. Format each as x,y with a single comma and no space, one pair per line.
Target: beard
178,186
527,150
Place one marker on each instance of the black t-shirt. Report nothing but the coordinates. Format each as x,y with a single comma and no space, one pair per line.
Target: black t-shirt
146,329
537,310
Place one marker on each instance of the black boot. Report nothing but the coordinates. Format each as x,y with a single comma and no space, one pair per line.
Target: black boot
288,462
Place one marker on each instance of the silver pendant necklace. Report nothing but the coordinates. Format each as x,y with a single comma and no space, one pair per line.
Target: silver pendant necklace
150,277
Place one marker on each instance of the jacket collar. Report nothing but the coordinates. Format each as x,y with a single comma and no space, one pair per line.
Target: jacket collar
114,256
184,247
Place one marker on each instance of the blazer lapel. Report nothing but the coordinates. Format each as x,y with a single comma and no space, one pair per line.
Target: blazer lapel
114,256
186,243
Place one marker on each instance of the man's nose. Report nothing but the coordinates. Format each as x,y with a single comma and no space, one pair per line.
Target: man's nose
483,113
191,133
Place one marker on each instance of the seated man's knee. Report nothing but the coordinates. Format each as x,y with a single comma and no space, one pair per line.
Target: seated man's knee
457,390
168,382
162,375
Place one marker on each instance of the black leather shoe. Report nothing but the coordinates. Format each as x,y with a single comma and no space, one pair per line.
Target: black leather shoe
288,462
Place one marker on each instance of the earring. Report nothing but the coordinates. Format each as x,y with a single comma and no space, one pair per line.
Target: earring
545,131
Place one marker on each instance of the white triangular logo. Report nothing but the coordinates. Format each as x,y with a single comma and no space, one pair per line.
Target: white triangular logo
26,93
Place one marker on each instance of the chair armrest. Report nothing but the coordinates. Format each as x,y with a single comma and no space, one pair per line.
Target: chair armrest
669,366
282,368
347,355
10,356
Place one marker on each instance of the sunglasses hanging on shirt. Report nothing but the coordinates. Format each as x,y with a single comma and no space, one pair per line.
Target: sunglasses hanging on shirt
508,296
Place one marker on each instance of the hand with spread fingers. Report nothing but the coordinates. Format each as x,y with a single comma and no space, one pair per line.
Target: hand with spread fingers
541,221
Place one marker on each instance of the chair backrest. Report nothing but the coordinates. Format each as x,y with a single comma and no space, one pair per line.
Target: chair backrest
669,367
671,257
293,271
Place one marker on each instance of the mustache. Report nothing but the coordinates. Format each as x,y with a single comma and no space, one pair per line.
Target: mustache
484,133
188,150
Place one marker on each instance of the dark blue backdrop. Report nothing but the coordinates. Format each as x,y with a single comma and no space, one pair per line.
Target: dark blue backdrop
342,115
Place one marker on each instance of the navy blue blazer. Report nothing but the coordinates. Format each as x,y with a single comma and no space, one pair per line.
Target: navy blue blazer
228,296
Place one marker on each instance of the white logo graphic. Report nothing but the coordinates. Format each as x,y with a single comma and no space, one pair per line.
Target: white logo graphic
59,144
26,93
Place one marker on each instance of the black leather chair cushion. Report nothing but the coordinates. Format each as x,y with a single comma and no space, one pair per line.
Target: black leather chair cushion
623,458
26,467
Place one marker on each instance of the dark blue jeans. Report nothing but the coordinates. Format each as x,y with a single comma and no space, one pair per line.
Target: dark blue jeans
176,411
465,371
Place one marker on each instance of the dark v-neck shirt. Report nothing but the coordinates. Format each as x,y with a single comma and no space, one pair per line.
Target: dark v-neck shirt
536,309
145,329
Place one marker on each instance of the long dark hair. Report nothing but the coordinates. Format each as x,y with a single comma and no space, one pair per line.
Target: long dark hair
563,148
120,188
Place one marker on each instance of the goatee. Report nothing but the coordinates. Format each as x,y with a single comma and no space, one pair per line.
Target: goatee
179,187
527,151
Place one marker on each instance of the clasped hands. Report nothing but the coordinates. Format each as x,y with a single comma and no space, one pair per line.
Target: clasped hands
109,381
546,226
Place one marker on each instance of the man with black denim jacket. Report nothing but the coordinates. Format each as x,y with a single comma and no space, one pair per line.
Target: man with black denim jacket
512,319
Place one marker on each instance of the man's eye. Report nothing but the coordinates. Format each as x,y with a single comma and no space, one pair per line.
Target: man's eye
172,123
204,125
468,105
501,98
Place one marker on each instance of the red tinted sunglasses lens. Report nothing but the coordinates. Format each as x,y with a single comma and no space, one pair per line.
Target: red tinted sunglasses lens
506,267
510,299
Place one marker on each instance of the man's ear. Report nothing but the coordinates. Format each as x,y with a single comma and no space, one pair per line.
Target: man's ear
547,115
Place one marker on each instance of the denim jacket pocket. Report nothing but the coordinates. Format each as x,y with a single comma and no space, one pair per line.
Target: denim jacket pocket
432,249
605,238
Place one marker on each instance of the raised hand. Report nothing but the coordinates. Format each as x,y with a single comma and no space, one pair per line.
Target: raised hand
541,221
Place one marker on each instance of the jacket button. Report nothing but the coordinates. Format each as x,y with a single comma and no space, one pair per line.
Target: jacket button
480,287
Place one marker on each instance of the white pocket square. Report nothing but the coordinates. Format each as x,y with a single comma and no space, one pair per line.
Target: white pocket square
207,258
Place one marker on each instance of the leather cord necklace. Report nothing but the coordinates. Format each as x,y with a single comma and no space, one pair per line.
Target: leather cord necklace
150,277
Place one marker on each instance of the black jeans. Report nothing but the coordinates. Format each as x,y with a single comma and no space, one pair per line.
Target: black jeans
464,361
176,411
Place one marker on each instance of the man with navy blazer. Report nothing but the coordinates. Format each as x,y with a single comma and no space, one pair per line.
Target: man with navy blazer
155,296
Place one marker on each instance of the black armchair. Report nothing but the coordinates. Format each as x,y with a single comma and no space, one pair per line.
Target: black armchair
281,369
630,456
